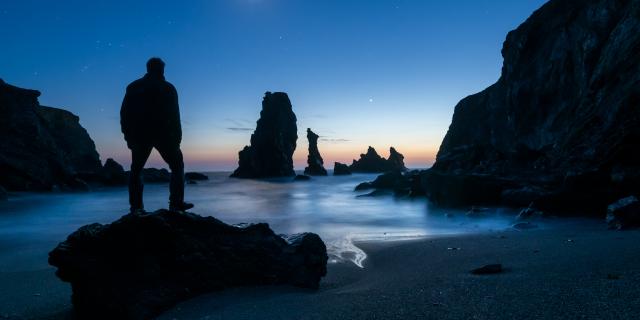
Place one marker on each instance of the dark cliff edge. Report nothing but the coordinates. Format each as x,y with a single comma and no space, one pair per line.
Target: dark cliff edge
41,147
561,127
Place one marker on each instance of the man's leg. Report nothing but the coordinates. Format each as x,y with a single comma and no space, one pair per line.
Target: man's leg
139,156
172,155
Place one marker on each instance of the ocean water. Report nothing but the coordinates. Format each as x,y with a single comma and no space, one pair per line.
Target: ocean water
32,224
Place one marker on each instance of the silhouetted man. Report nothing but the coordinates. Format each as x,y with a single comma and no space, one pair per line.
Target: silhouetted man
150,118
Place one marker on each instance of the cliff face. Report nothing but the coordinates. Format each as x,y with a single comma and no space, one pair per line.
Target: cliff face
41,147
272,143
565,109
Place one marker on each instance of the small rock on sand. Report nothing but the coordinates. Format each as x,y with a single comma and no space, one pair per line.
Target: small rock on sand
524,226
488,269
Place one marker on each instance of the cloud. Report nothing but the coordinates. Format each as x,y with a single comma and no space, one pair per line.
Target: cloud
239,129
334,140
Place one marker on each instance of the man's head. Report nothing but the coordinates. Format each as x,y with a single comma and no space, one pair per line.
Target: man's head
155,66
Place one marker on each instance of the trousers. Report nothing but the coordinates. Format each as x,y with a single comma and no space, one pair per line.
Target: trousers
172,155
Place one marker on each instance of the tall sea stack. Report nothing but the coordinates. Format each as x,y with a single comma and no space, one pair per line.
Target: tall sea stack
272,143
314,159
561,126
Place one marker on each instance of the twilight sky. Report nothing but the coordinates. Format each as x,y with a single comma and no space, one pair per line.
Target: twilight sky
359,73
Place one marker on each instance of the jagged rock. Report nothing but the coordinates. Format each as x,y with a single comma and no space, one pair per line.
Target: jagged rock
402,184
566,104
195,176
624,214
113,173
363,186
341,169
140,265
372,162
416,188
376,193
396,160
41,147
477,212
272,143
314,159
523,196
72,140
153,175
369,162
529,213
301,177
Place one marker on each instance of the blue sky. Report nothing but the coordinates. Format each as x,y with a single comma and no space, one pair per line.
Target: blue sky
359,73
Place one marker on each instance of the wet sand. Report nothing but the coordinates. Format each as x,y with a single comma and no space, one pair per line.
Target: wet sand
567,271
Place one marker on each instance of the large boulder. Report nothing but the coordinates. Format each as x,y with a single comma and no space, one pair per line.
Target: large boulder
372,162
113,173
624,214
195,176
566,105
315,164
41,147
140,265
272,143
341,169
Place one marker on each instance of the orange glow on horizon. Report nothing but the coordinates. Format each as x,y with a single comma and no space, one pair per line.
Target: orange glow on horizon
226,159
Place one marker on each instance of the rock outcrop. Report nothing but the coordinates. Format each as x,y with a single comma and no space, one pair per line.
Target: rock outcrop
140,265
301,177
401,183
3,194
315,164
372,162
154,175
624,214
41,147
113,173
273,141
396,160
563,119
341,169
195,176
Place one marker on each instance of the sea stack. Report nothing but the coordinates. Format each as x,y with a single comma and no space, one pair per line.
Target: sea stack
561,126
314,159
341,169
42,147
372,162
273,141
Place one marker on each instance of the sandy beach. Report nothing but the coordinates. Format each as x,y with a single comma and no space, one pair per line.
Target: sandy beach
566,270
577,272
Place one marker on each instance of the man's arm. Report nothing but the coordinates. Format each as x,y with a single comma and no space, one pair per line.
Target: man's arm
125,115
176,127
